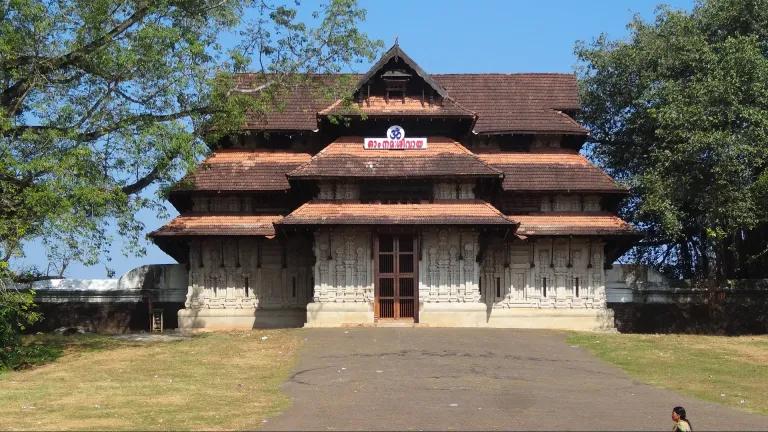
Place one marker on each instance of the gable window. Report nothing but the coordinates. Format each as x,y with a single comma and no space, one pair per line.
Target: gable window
395,84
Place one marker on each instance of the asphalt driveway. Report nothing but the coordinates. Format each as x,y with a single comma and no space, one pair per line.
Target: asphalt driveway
475,379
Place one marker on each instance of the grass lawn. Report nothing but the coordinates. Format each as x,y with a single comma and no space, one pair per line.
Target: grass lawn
209,381
729,370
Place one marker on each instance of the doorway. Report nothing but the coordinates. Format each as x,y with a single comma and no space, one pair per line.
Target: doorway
396,266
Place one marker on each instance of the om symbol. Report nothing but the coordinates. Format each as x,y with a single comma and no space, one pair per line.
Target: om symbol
395,133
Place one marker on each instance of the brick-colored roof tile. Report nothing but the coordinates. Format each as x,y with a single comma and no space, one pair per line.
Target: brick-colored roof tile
520,103
504,103
550,172
346,157
464,212
227,225
244,170
572,224
378,105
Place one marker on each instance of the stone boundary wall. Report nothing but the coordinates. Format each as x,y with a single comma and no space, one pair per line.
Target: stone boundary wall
644,301
104,317
733,310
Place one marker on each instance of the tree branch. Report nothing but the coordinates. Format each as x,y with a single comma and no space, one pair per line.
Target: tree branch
14,95
141,118
143,182
91,135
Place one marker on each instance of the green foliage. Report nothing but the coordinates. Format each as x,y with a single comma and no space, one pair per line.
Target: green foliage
17,312
679,112
103,103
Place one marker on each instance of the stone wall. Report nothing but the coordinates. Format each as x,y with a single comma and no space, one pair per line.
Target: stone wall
644,301
104,317
448,270
545,273
344,270
344,267
247,273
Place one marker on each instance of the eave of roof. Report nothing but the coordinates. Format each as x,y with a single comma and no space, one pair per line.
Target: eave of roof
219,225
346,158
453,212
236,170
551,223
540,172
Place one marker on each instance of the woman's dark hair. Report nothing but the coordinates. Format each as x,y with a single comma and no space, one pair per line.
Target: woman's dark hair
681,412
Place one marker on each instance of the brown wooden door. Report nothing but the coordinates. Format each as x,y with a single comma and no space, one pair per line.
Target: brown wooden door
397,293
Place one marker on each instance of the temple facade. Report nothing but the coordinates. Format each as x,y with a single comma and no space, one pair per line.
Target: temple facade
443,200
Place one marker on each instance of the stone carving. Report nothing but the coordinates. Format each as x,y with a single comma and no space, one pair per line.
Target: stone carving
561,258
523,285
215,286
347,276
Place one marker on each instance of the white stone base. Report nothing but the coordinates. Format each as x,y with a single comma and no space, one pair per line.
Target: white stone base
453,314
565,319
338,314
239,319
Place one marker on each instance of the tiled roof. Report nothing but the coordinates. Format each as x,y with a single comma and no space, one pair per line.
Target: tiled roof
409,106
465,212
346,157
298,110
572,224
243,170
517,102
231,225
550,172
504,103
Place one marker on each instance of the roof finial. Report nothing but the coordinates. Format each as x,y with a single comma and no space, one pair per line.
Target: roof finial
396,40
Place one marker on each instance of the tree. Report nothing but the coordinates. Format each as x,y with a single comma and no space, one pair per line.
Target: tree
17,312
101,100
679,112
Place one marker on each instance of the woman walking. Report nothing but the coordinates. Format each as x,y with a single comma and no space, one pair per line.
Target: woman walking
681,422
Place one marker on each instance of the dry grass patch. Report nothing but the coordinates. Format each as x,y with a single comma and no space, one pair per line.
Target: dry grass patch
729,370
210,381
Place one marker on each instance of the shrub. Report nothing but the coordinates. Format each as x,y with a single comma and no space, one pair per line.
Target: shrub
17,312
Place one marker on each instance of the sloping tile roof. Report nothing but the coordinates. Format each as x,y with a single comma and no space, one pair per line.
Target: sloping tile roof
244,170
464,212
410,106
346,157
572,224
550,172
504,103
517,102
299,106
231,225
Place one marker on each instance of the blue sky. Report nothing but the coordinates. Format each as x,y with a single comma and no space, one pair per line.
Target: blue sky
452,36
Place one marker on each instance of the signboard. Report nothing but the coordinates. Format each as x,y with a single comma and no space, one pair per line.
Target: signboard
395,140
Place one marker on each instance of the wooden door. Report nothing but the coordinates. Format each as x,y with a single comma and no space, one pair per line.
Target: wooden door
397,293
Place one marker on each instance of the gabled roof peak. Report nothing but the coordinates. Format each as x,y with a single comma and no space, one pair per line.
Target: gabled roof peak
397,53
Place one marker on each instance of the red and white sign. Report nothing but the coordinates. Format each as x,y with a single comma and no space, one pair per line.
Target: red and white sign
388,144
395,140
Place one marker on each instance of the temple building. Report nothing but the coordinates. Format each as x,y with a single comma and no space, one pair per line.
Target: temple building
443,199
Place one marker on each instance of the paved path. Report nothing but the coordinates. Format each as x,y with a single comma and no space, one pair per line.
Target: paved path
475,379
